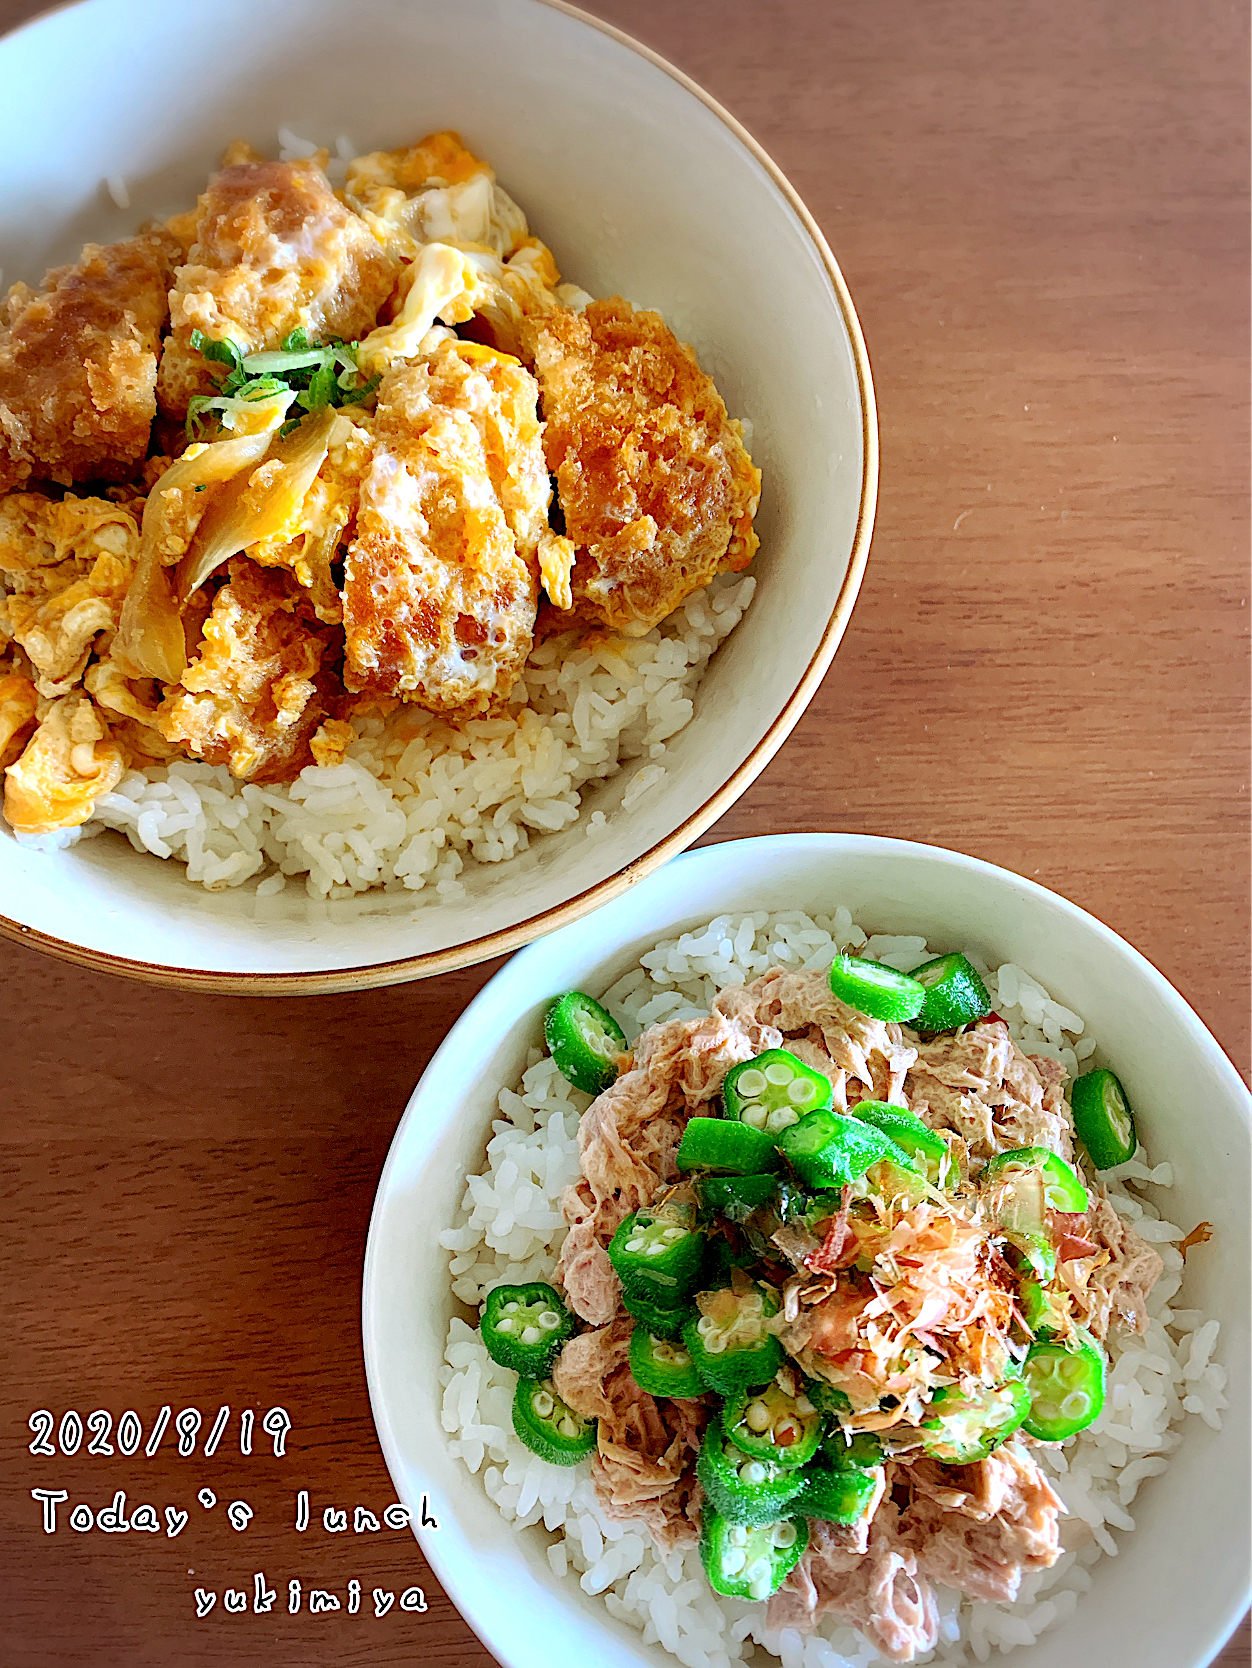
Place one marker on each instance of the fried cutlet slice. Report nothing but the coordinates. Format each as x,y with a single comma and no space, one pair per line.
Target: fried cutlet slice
257,691
274,251
78,364
441,580
657,491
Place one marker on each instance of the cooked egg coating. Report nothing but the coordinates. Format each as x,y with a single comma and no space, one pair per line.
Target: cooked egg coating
67,566
66,765
441,581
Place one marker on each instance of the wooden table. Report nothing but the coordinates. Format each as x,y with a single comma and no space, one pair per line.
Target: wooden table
1041,211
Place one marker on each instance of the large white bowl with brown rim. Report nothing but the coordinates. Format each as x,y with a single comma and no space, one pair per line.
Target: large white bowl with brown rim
643,186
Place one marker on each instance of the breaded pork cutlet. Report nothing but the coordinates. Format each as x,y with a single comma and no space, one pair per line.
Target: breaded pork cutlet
275,251
657,491
78,364
441,582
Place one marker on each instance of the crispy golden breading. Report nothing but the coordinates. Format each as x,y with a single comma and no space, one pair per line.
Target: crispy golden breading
258,689
657,490
65,767
68,566
78,362
275,250
441,582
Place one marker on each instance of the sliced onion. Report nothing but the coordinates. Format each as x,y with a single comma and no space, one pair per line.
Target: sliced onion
237,518
149,641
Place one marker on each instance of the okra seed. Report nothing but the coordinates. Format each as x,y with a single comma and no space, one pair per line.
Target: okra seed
1075,1405
738,1537
804,1406
568,1426
672,1234
782,1119
757,1416
757,1577
754,1116
734,1560
509,1309
531,1335
636,1243
506,1325
784,1534
752,1472
750,1083
704,1325
543,1404
778,1073
801,1091
655,1248
549,1320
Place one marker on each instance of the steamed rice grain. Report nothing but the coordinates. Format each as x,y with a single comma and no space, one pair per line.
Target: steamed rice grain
416,798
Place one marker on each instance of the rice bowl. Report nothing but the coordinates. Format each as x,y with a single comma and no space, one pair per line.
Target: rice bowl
874,873
818,453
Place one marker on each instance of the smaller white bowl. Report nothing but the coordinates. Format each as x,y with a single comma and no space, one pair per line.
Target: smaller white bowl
1172,1597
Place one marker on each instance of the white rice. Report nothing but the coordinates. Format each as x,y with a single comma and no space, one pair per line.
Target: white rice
510,1230
418,798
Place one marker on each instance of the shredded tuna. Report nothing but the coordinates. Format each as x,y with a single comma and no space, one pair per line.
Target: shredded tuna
981,1528
979,1083
882,1591
627,1139
1116,1282
873,1053
646,1446
904,1289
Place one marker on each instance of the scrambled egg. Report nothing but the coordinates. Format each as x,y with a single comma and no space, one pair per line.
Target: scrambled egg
69,565
434,192
441,581
324,519
18,707
69,762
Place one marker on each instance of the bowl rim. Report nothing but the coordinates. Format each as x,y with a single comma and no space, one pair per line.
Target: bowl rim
829,843
401,970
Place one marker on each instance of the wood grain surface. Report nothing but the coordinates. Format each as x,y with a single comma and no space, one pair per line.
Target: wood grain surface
1042,215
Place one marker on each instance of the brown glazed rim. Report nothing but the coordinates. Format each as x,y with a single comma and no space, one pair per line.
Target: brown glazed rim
511,938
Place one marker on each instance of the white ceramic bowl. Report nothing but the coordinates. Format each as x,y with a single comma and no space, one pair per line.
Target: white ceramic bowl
642,186
1181,1582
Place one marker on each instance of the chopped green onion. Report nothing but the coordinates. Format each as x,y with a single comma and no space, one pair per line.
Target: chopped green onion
319,376
218,353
